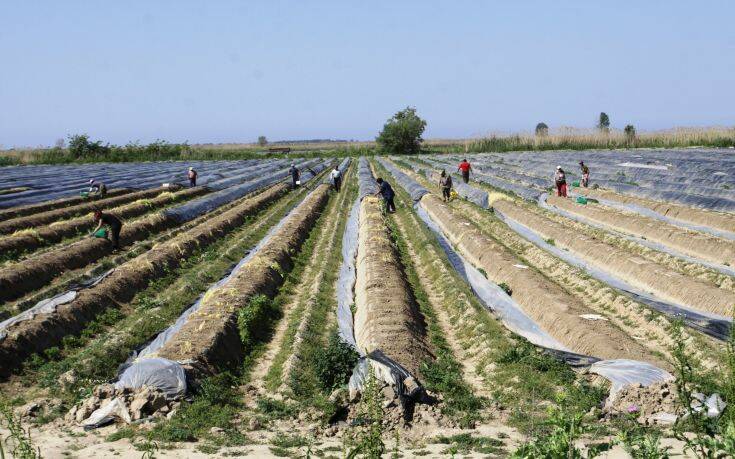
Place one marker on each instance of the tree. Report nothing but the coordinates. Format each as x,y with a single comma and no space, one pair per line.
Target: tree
80,146
262,141
60,144
629,133
604,123
542,130
401,134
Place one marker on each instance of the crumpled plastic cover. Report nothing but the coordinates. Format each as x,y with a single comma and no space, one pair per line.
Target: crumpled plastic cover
621,372
389,372
163,374
114,409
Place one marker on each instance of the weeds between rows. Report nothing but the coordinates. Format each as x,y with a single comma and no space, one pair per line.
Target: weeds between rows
106,342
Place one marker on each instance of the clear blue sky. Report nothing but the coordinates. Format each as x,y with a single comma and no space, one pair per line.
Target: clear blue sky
228,71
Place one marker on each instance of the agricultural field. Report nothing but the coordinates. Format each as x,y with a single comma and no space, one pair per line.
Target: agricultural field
250,317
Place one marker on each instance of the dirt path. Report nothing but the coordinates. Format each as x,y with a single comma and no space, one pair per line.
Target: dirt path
466,356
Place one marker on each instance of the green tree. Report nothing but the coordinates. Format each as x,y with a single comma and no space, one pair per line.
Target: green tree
262,141
629,133
542,130
81,147
604,123
401,134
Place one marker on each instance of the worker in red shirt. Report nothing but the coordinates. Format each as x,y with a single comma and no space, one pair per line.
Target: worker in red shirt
465,168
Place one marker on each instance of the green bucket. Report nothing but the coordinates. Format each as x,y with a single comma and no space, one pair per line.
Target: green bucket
581,200
575,183
84,194
101,233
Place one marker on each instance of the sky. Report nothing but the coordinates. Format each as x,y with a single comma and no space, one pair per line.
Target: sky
229,71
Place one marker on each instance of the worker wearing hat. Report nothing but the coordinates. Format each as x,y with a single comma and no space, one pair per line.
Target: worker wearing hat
97,188
560,180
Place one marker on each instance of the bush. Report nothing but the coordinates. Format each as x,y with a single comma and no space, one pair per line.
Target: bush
334,366
251,319
81,147
401,134
542,130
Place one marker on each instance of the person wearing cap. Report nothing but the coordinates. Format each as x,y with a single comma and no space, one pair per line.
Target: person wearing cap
560,179
113,224
97,188
585,174
295,174
465,168
192,177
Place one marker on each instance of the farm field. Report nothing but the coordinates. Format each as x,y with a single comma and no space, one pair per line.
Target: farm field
247,317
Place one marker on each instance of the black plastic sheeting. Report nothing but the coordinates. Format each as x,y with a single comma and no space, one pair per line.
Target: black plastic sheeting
53,182
196,207
410,185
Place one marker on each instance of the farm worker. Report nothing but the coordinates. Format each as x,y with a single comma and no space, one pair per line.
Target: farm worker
192,177
386,191
560,179
113,224
336,177
585,174
465,168
97,187
445,182
295,174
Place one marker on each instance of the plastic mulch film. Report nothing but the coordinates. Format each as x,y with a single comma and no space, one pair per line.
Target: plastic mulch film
345,290
200,206
619,372
137,368
410,185
646,212
390,372
49,305
365,180
728,270
711,324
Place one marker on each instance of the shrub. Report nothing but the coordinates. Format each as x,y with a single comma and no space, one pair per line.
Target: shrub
333,367
542,130
401,134
250,320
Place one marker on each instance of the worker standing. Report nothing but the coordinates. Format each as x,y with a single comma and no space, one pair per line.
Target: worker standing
97,188
295,175
585,174
113,224
465,167
386,191
192,177
445,182
336,177
560,179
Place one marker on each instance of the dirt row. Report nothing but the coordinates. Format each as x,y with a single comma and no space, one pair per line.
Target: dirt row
386,317
30,209
692,243
36,271
718,220
56,232
47,330
637,271
51,216
209,339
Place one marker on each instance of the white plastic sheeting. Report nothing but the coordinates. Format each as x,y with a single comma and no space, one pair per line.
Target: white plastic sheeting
410,185
345,289
49,305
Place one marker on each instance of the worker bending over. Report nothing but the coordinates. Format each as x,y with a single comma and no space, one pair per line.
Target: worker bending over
386,191
585,174
192,177
560,179
97,188
336,178
113,224
445,182
465,168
